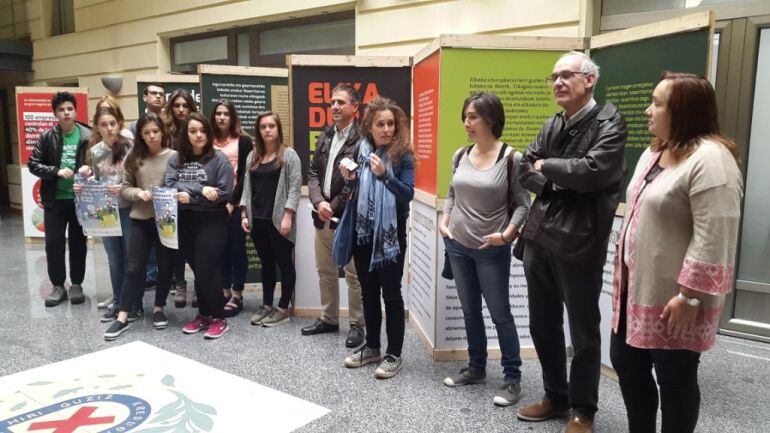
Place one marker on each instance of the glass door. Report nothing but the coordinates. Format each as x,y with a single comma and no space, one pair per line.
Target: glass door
747,309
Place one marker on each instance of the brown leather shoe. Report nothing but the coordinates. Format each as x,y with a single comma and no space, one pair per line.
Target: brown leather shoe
580,424
541,411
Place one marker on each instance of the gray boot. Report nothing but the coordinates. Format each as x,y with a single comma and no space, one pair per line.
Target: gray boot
57,296
76,294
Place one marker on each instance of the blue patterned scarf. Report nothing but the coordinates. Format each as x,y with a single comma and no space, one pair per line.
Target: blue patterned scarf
376,221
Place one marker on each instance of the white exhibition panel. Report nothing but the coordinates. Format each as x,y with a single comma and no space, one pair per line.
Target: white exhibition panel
33,214
307,293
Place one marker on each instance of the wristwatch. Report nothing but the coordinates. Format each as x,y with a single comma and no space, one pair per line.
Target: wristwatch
693,302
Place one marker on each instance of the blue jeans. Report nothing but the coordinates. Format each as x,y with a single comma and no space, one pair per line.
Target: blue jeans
486,272
235,263
116,248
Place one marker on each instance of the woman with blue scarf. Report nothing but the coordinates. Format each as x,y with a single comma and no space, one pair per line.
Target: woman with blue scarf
384,186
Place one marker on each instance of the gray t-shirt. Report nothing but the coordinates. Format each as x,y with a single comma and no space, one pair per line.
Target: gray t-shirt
103,168
478,199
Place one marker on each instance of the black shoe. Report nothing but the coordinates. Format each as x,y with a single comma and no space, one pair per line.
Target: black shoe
135,315
319,327
109,315
355,336
115,330
57,296
159,320
76,294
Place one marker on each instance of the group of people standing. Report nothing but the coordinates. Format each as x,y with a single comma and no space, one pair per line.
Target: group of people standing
674,256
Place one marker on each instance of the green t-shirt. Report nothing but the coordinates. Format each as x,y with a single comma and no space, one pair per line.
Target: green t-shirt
68,159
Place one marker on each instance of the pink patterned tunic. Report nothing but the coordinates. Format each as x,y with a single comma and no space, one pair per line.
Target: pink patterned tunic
681,229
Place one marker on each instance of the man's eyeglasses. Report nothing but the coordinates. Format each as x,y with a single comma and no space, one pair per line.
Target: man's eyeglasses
564,75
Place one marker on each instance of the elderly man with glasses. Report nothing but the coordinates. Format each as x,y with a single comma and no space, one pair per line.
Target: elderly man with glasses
576,168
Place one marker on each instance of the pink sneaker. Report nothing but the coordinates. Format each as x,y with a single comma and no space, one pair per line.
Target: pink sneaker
217,328
198,324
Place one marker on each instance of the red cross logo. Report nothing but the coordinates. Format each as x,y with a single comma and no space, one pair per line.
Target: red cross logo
77,420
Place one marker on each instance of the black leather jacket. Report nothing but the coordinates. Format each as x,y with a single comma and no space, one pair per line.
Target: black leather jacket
46,159
574,219
317,172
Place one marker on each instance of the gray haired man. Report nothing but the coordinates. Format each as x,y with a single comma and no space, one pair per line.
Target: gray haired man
576,167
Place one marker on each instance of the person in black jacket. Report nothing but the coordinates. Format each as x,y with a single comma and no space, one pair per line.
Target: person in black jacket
576,167
230,139
328,194
57,154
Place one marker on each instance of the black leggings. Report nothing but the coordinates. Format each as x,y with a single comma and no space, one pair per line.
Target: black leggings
57,216
677,374
202,238
273,249
385,279
144,235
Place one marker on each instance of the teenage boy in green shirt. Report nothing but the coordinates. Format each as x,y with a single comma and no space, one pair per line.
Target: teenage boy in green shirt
56,156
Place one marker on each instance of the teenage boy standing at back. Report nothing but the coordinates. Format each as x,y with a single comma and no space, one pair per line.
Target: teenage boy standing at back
56,156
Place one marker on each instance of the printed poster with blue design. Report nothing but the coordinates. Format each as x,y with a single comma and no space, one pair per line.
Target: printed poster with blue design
97,209
165,204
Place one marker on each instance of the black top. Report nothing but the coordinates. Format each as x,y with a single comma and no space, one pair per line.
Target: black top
264,183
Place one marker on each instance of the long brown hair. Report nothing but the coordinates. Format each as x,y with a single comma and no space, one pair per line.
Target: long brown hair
692,105
174,126
141,150
184,147
119,148
235,129
259,142
400,145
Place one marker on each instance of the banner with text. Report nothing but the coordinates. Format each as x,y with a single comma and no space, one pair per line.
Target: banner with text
311,88
35,114
165,204
97,209
630,72
518,77
251,95
425,134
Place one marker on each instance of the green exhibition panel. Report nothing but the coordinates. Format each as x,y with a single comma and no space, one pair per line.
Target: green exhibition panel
630,72
445,73
252,91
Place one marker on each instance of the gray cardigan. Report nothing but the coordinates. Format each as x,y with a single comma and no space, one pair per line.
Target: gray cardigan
286,195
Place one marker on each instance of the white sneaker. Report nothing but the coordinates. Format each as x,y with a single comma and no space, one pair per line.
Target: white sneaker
107,303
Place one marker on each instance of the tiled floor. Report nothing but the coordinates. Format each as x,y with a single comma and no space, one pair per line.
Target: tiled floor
734,378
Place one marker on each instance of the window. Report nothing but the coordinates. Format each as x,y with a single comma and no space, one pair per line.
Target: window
617,7
62,17
266,45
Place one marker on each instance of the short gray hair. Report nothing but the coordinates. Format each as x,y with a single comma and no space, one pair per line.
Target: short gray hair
589,67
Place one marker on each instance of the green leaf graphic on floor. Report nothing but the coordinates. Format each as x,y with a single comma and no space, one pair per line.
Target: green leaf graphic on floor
183,415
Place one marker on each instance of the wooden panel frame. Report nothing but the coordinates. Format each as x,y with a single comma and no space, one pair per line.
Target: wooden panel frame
661,28
343,60
251,71
168,78
28,89
501,43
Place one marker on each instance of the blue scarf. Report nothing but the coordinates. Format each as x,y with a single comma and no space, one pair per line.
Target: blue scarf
376,221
